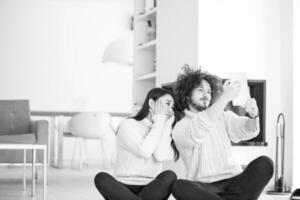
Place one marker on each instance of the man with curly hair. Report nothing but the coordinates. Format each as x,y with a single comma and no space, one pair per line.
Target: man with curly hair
204,135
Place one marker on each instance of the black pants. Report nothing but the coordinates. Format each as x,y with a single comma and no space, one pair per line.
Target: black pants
158,189
246,186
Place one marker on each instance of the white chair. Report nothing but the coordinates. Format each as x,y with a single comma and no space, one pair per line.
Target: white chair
94,125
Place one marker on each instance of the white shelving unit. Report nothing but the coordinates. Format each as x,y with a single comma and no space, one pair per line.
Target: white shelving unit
146,76
149,14
144,71
149,45
158,58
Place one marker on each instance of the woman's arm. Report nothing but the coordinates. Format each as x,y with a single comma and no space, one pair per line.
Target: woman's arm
132,138
164,150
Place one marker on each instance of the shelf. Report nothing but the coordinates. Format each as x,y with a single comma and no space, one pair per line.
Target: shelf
148,14
146,76
147,45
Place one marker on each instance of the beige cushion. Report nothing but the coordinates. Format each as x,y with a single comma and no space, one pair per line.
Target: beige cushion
14,117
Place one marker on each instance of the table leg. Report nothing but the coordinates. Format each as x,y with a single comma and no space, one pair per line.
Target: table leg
45,173
33,173
24,170
60,139
52,146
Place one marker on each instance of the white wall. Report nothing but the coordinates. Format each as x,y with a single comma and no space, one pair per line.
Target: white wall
232,36
250,36
177,29
287,84
296,89
51,51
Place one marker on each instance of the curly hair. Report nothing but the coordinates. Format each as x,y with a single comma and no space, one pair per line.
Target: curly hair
188,81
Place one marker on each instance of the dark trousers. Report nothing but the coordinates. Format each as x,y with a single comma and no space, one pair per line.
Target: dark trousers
158,189
246,186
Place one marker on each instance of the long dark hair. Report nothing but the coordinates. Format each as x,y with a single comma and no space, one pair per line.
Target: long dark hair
155,94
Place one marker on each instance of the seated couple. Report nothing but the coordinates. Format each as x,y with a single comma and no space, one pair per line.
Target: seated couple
202,137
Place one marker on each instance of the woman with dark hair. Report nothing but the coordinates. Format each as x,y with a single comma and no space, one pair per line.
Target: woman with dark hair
144,142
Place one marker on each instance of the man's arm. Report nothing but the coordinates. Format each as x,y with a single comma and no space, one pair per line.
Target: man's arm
252,109
230,91
192,129
189,133
241,127
252,124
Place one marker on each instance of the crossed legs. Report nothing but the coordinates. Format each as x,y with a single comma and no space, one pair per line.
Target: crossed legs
158,189
246,186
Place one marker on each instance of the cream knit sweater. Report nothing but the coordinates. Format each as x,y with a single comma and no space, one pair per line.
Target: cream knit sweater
142,146
205,145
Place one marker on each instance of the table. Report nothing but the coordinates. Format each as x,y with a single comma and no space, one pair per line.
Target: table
34,148
55,148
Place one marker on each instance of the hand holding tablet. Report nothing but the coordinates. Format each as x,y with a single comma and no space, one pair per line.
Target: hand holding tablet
244,94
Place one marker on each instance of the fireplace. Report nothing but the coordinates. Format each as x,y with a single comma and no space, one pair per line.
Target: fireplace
258,92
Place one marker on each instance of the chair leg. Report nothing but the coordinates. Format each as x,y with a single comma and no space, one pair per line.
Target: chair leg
74,151
36,171
103,160
84,152
24,170
81,153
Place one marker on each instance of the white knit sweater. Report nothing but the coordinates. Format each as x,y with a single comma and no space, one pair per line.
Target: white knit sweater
205,145
142,146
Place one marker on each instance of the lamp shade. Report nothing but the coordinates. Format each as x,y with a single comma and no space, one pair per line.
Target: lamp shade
119,51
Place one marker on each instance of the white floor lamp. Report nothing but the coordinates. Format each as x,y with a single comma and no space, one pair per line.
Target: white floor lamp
280,187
